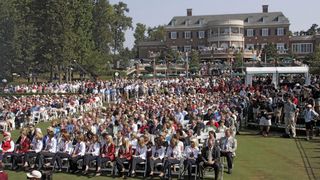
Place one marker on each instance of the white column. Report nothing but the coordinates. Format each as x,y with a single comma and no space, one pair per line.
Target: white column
248,80
307,78
275,79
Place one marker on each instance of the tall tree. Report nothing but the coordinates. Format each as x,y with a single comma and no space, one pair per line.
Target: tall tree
82,29
270,52
103,14
313,29
139,36
139,33
156,33
121,23
25,38
314,61
7,35
194,62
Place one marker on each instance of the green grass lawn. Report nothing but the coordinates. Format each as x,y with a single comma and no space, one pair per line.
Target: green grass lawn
257,158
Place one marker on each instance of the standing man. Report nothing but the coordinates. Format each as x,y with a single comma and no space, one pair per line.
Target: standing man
309,116
290,111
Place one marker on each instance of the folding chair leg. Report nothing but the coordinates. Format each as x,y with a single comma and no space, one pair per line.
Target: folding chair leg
196,173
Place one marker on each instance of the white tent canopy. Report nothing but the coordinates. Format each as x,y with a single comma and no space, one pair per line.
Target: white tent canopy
275,71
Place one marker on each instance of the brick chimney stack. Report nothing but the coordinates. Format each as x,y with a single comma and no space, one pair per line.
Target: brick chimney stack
265,8
189,12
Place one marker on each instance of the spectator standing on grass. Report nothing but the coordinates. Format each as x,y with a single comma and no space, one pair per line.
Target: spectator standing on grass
290,110
309,118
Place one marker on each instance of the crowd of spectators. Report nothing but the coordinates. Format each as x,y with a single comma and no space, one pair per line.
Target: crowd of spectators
171,123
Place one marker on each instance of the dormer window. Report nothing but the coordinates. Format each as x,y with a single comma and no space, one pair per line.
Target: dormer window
276,19
201,22
187,22
247,20
173,22
262,20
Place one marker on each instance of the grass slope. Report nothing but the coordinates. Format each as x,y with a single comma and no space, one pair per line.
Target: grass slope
257,158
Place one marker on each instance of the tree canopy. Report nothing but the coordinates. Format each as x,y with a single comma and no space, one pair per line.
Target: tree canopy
48,36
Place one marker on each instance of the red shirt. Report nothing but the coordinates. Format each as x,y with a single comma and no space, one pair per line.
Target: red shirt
108,151
144,128
24,145
6,145
125,154
216,124
3,175
295,101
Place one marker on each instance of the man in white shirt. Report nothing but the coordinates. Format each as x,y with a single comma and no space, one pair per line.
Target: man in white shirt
228,147
309,116
93,152
191,153
157,155
78,153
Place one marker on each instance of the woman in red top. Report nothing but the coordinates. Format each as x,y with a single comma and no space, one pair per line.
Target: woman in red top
22,147
107,153
124,155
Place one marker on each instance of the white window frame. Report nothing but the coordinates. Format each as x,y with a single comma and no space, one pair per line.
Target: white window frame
249,32
265,32
302,48
280,47
187,48
173,35
201,34
187,34
280,31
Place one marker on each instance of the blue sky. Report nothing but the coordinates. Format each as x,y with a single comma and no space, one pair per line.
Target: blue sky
155,12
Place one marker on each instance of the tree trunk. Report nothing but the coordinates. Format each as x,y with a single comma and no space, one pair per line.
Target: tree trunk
51,72
59,73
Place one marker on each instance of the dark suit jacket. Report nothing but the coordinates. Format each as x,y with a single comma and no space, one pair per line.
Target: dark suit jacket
215,153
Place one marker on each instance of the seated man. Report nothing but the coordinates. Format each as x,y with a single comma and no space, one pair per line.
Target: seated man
228,147
210,157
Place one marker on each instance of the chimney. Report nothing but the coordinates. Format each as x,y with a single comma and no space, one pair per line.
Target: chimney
189,12
265,8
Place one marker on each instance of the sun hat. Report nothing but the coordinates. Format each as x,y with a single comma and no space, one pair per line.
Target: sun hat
34,174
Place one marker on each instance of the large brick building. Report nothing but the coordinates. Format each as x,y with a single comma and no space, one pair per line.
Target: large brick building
248,31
